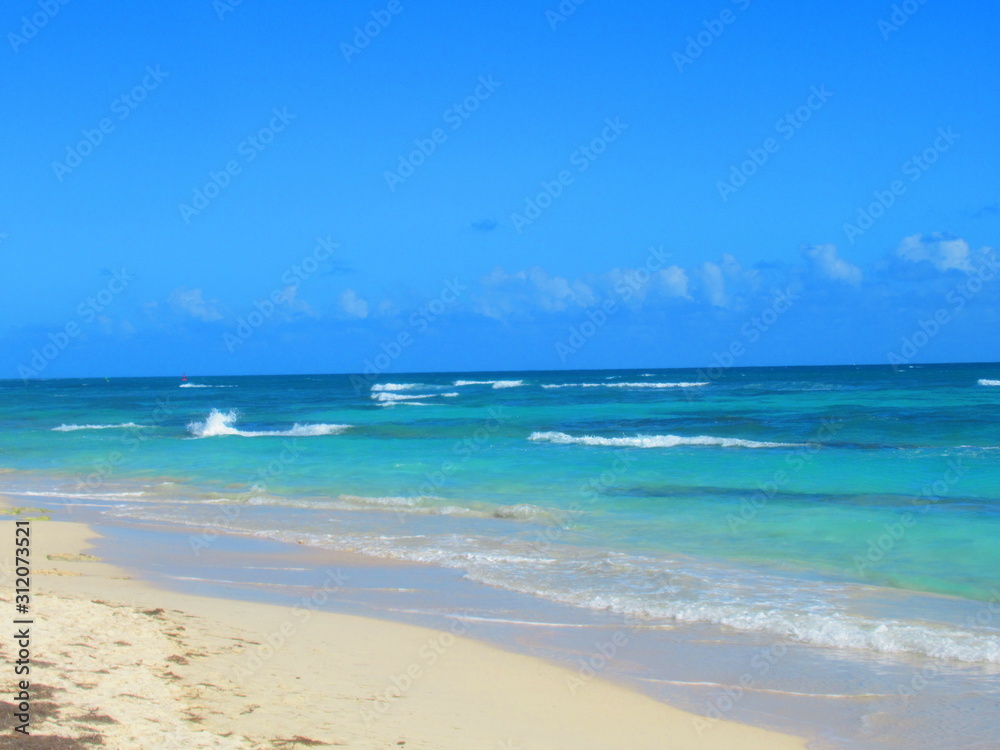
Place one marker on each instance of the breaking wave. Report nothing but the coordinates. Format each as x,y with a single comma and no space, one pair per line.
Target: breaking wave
652,441
623,385
221,423
75,427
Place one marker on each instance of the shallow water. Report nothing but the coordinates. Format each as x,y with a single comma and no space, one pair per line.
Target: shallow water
835,697
848,514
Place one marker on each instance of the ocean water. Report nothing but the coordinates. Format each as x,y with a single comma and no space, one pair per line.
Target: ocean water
765,499
853,510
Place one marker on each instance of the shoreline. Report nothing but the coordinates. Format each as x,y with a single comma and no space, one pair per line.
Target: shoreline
375,683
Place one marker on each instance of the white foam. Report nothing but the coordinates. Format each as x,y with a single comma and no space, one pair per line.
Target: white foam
419,504
409,504
309,430
830,628
391,501
221,423
75,427
83,495
624,385
794,611
383,396
508,383
387,399
521,512
987,381
494,383
396,386
652,441
202,385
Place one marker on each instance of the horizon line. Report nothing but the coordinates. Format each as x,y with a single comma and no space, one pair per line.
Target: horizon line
703,369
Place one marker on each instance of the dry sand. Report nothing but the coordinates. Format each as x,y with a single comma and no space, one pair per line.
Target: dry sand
120,664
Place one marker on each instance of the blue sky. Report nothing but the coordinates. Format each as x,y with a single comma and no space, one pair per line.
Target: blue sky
238,188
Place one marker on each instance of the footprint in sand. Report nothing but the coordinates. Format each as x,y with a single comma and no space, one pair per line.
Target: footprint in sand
72,557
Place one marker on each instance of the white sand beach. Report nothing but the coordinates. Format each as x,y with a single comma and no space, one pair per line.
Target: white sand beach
118,662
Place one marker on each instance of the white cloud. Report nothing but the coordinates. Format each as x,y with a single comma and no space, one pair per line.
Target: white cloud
724,283
290,297
945,253
826,260
730,266
505,293
635,285
714,283
191,302
353,305
727,284
557,293
674,280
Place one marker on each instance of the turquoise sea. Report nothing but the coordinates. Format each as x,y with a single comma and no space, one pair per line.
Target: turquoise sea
852,510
